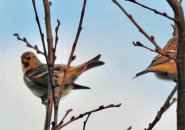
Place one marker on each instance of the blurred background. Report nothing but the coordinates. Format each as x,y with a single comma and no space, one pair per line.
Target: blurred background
106,31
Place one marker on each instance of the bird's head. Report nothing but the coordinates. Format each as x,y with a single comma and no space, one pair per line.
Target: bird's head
29,61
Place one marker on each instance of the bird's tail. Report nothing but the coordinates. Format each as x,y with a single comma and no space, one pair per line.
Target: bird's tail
74,72
94,62
141,73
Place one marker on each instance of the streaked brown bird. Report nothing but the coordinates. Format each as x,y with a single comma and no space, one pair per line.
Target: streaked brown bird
36,75
162,66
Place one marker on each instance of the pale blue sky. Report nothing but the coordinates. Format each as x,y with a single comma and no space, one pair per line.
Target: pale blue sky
106,30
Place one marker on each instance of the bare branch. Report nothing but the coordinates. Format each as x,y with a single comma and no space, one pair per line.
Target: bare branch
35,47
165,107
56,38
150,38
40,30
138,43
85,122
73,118
154,10
43,42
67,113
71,57
180,22
50,65
172,102
163,53
129,128
175,31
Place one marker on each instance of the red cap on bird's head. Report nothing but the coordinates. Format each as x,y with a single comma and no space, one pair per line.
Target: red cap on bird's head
29,61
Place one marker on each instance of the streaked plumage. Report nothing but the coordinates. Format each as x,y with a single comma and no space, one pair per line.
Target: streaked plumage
36,75
162,66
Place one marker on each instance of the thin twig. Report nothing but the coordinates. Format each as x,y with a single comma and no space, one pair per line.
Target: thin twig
85,122
163,53
56,35
74,44
40,30
138,43
71,57
175,31
73,118
172,102
67,113
154,10
165,107
150,38
56,40
42,39
35,47
129,128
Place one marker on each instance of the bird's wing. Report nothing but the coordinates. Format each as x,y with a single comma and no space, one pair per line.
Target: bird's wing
40,76
159,59
171,44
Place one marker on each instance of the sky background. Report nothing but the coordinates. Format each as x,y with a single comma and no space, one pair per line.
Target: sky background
106,31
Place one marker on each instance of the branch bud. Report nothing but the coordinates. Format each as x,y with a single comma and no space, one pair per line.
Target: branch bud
69,110
73,57
101,107
73,117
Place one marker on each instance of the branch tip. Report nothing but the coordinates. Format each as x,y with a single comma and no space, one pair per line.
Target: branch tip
101,107
73,117
69,110
73,57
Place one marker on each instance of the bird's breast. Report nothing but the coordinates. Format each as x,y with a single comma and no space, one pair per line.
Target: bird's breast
36,89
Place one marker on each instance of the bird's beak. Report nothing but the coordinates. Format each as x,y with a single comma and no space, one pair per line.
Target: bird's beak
26,64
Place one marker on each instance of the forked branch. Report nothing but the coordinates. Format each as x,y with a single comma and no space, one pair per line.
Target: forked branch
28,44
71,57
151,9
150,38
73,118
169,101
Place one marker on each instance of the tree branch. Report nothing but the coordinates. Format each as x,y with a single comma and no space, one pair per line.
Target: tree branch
50,66
129,128
43,43
154,10
56,38
163,53
72,57
165,107
85,122
150,38
40,30
180,22
62,121
35,47
73,118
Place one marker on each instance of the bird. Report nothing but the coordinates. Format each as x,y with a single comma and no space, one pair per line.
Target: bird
35,75
164,67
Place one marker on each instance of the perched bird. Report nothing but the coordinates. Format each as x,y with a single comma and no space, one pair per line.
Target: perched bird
162,66
36,75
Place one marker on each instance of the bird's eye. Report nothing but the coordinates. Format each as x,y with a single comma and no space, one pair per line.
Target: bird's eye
29,58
